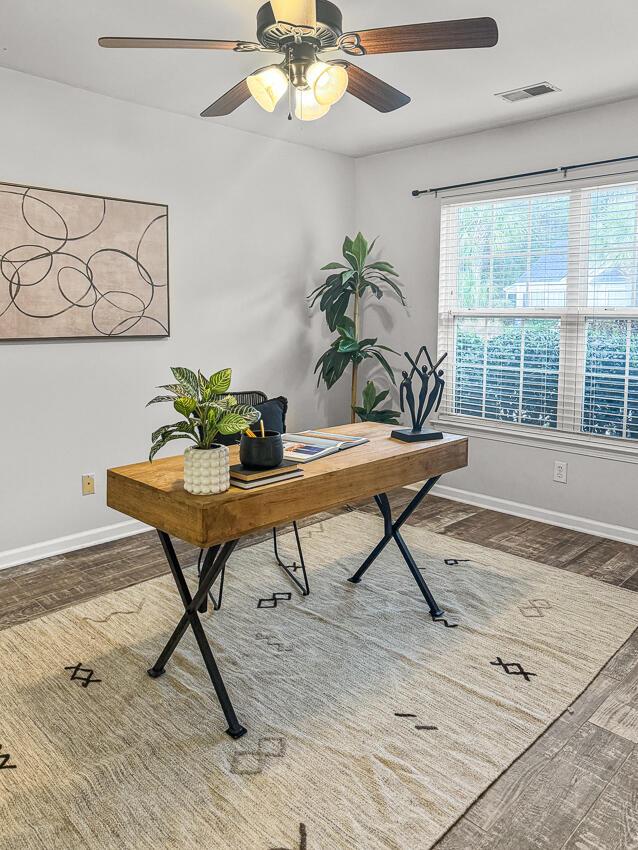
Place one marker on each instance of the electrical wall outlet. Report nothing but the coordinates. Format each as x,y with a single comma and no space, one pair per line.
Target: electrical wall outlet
560,471
88,484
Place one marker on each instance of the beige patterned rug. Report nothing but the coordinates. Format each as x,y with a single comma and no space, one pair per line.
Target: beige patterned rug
370,726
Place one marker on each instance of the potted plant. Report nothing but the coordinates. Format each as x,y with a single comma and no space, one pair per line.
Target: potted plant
208,410
369,412
349,283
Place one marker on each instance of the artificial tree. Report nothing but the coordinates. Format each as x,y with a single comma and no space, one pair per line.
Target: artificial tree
345,288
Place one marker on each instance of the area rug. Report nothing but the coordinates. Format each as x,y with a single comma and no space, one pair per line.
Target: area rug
371,727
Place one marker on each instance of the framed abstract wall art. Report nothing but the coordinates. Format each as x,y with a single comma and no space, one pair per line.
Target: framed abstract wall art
78,266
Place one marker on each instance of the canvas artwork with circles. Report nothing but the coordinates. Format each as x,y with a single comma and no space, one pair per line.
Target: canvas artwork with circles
81,266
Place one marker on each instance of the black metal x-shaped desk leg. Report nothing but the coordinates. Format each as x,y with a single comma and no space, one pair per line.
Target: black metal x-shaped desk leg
214,563
392,531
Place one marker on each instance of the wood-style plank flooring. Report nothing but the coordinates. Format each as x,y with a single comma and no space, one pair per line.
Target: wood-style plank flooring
576,788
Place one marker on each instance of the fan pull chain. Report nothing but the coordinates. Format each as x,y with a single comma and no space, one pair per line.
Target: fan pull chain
289,101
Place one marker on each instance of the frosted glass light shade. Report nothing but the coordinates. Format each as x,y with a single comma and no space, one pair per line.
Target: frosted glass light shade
307,107
268,86
328,82
302,13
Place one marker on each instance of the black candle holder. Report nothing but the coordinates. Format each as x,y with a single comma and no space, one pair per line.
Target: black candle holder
261,452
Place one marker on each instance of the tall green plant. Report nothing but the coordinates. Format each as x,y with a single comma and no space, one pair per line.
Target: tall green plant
206,407
342,291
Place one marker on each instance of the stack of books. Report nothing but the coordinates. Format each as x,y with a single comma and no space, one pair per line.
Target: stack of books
248,479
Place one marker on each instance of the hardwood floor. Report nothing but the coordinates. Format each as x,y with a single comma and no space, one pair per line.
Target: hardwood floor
576,788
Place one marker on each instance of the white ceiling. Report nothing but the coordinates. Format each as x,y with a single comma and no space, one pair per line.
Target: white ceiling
588,48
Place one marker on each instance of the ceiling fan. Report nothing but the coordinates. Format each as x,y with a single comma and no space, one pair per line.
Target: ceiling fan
301,30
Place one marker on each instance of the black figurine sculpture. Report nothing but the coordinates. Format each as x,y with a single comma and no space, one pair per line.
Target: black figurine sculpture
428,401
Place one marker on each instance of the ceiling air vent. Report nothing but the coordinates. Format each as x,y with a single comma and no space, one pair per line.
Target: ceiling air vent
529,91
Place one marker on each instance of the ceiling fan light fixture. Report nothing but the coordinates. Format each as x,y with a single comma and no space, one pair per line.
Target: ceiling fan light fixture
307,108
329,83
268,86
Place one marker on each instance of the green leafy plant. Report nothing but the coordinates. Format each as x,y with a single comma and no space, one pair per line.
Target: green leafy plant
342,290
206,406
371,400
347,349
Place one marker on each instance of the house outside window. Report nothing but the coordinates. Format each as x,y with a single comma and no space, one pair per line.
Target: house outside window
538,309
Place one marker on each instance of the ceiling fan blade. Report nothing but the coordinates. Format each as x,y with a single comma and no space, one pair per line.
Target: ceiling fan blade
439,35
228,102
373,91
302,13
180,43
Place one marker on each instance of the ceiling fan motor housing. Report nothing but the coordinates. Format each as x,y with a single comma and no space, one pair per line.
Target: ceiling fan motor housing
276,34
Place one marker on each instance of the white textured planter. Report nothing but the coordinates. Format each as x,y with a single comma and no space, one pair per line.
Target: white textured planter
207,471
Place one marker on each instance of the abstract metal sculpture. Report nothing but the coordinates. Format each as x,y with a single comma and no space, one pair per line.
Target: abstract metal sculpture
429,399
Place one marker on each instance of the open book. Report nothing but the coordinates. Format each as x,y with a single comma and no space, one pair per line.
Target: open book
312,445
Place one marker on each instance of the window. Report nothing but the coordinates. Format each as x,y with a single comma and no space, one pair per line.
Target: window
538,310
610,405
507,369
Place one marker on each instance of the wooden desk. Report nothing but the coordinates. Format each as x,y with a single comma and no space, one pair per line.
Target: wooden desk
154,494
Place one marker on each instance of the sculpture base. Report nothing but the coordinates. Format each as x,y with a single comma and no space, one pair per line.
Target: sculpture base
407,435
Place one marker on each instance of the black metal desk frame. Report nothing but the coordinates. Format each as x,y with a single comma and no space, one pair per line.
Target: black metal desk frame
214,564
392,531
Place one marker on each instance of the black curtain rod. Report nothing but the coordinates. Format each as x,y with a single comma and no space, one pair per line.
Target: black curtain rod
564,169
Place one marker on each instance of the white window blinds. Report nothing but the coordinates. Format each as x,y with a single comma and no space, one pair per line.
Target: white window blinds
538,309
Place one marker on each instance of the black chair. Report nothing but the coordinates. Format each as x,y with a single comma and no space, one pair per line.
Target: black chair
255,397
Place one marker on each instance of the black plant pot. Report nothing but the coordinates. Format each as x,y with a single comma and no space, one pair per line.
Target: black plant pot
261,452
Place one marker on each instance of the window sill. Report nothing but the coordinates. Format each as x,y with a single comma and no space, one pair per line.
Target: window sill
625,451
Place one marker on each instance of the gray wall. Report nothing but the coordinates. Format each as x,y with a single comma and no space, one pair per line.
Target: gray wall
245,246
598,491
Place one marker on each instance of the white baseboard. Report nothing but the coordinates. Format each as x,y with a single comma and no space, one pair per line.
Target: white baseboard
60,545
84,539
574,523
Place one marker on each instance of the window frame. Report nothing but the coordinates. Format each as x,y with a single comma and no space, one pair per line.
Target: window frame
573,318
